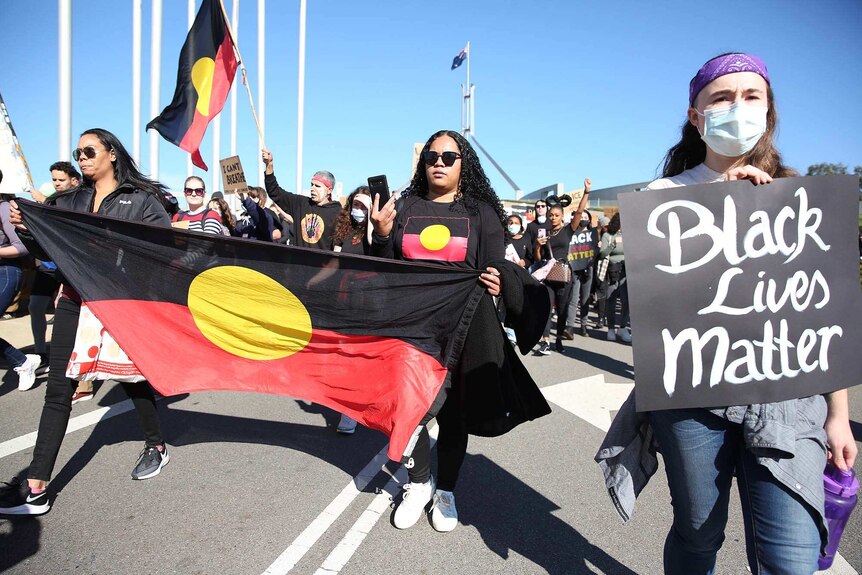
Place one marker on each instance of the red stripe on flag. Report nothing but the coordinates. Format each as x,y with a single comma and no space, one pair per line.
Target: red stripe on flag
384,383
455,249
223,74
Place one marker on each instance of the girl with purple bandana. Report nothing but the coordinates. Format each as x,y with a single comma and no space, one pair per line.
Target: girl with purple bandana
728,136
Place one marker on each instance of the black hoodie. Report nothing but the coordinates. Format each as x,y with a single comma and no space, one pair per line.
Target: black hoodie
313,225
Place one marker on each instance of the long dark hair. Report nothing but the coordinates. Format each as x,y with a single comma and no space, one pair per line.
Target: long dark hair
690,151
614,225
126,171
474,187
345,225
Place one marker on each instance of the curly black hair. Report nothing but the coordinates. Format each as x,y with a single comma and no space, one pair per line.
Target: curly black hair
474,187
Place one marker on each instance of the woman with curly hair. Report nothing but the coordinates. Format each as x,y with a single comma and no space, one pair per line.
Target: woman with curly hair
228,222
449,215
351,228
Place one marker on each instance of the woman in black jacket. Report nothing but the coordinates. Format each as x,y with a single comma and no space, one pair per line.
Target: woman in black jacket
113,186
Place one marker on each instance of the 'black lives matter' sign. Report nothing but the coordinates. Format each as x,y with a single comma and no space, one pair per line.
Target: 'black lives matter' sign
743,294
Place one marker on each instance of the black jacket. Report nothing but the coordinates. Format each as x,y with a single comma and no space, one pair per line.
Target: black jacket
496,391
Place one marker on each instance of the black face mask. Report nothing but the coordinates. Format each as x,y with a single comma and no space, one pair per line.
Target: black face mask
583,224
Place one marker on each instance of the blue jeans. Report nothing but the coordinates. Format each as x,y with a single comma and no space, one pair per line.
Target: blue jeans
701,453
10,282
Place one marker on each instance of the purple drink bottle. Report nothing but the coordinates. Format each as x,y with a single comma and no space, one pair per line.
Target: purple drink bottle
840,489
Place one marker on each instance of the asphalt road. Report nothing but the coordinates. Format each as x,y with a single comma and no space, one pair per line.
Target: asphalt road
263,484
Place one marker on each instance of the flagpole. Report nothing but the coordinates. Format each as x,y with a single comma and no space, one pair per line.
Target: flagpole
155,83
190,168
136,80
235,22
242,68
300,107
468,103
64,79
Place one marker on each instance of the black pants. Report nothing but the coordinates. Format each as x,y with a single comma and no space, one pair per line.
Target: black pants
451,446
617,290
58,396
579,302
562,295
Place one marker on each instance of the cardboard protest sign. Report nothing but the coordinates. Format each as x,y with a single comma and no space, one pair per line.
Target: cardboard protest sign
742,294
583,249
233,177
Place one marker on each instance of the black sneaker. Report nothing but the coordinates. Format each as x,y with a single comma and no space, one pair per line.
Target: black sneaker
43,368
150,462
544,348
17,499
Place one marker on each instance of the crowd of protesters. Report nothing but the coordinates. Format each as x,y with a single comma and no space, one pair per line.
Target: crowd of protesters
579,257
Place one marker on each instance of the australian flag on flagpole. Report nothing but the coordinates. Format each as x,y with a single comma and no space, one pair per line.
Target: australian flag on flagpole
462,55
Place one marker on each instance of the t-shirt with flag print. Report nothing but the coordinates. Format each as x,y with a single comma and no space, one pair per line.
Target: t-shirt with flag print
206,221
447,234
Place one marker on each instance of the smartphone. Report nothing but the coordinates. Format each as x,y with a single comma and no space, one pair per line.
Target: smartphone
543,232
378,186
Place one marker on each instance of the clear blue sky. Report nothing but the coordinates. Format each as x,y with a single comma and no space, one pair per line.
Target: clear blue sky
564,90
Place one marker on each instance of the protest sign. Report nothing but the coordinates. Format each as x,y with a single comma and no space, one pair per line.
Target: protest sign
742,294
16,174
233,177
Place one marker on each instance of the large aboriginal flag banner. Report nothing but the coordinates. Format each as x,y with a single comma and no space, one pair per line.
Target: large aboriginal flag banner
206,70
368,337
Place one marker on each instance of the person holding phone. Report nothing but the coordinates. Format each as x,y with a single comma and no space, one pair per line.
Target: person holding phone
314,217
777,451
450,216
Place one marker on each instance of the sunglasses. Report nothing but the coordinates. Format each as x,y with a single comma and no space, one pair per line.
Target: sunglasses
540,206
200,192
88,152
430,158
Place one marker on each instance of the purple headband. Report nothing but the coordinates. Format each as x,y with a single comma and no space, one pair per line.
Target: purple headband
721,65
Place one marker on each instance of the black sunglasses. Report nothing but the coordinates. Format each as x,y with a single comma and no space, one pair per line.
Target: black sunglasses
430,158
200,192
88,152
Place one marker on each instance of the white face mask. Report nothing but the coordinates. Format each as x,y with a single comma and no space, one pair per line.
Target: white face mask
541,219
733,130
358,215
514,229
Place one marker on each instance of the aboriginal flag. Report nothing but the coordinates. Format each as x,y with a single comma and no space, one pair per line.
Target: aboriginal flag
206,70
436,238
368,337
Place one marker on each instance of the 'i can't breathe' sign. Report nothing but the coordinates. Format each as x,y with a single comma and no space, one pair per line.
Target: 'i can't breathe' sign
743,294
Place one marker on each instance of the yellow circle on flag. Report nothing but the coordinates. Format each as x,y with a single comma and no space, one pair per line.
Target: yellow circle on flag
435,237
248,314
202,80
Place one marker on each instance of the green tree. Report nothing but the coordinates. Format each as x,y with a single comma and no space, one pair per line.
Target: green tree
827,170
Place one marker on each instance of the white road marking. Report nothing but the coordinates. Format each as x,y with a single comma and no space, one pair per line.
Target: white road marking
354,537
79,422
589,398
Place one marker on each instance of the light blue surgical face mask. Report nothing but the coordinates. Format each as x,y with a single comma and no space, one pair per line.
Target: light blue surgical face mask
514,229
358,215
733,130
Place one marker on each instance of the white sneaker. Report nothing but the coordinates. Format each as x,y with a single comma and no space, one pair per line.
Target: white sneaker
27,372
612,336
413,504
624,334
444,515
347,425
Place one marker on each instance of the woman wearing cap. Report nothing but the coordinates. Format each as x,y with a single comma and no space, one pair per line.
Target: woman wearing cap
314,217
449,192
728,135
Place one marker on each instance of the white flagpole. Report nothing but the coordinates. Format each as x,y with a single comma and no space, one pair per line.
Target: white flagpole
136,80
261,82
300,107
235,18
469,94
190,168
155,83
64,78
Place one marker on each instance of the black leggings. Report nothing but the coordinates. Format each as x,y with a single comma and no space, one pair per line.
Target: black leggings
561,296
58,396
451,446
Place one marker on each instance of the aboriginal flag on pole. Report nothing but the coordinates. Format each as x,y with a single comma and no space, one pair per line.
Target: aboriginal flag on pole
368,337
206,70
